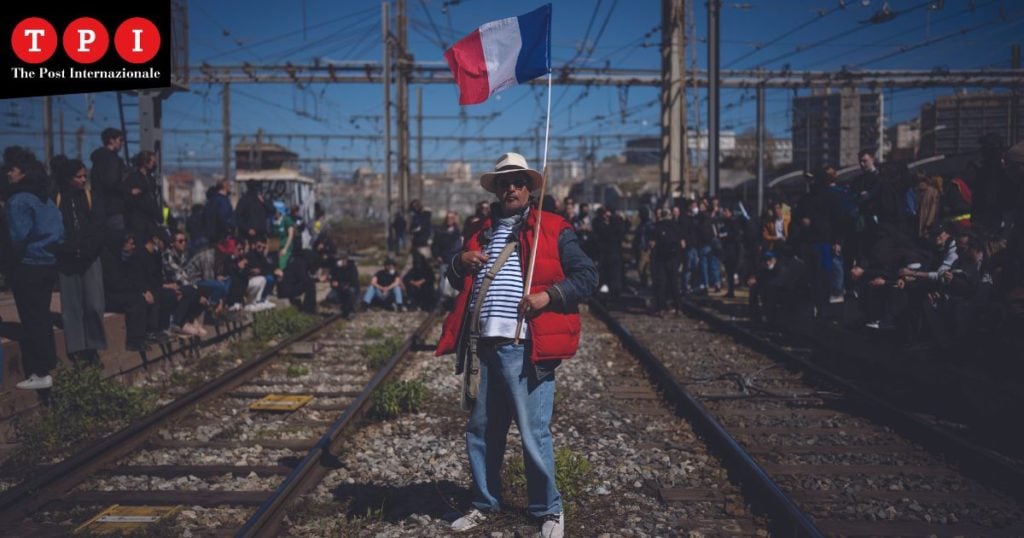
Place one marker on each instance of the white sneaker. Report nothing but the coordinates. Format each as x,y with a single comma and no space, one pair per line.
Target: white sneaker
35,382
603,288
834,299
266,305
252,307
872,324
471,520
554,526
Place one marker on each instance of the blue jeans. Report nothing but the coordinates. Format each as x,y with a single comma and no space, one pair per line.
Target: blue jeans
836,280
214,290
690,262
509,391
709,271
374,293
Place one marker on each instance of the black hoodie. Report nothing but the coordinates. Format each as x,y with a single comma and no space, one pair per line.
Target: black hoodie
108,180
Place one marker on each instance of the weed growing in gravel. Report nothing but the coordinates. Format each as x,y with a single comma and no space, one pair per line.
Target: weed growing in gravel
281,323
396,397
572,476
83,405
296,370
374,333
378,353
355,524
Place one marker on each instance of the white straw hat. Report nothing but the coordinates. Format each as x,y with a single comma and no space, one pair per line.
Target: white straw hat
508,163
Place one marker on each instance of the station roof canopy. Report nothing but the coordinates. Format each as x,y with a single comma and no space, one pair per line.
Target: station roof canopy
277,174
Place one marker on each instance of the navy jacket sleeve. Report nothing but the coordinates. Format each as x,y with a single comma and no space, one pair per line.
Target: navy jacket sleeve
580,273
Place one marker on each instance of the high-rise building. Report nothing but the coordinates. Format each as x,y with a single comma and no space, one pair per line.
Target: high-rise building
955,123
832,128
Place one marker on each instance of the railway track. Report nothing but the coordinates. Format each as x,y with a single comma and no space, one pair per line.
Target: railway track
814,453
208,450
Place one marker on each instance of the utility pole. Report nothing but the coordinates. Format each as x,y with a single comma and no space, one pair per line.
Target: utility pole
760,150
419,142
714,10
673,108
1015,97
47,130
79,140
402,105
385,33
60,126
226,124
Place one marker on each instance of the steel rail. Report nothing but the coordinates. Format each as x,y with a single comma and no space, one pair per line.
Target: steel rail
266,521
27,497
787,519
987,466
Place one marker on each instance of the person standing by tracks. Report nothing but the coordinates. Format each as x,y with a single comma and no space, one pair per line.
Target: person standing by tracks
35,227
516,371
78,263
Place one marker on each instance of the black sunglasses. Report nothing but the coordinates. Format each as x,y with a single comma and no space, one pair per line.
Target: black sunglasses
517,181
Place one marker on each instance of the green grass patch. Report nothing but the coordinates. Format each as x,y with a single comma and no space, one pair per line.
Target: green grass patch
572,476
378,353
396,397
374,333
296,370
281,323
83,406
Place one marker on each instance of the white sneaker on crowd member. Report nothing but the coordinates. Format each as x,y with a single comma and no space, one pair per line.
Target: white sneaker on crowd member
469,521
266,305
35,382
873,324
235,307
252,307
833,299
553,526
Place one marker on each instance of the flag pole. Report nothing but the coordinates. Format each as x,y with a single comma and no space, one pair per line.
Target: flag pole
528,281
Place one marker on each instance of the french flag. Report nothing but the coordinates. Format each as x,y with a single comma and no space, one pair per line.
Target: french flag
501,54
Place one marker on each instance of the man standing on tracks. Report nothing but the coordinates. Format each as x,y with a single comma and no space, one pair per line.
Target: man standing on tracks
516,372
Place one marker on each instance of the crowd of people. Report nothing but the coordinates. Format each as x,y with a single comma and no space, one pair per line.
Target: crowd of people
102,236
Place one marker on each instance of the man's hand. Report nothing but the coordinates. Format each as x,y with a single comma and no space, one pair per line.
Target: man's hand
148,297
533,304
473,260
878,281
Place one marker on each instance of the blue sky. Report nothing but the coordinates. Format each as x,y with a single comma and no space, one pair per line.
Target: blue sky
595,33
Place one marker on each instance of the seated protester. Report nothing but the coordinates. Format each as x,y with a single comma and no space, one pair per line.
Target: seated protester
190,302
385,287
240,289
298,282
344,282
148,262
956,311
206,269
418,283
125,289
877,280
773,289
260,265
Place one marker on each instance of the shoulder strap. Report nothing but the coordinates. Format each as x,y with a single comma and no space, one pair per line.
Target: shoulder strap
88,199
486,284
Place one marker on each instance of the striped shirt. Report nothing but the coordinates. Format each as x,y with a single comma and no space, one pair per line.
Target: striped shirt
500,308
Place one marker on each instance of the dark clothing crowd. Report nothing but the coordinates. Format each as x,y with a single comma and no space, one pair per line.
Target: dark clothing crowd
102,237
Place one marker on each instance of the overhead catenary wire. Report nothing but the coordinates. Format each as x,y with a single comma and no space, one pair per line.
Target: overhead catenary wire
784,35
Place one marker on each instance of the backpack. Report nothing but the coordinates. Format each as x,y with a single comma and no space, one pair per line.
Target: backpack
965,191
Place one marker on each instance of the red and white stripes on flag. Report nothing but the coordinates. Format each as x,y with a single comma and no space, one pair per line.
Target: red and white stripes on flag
501,54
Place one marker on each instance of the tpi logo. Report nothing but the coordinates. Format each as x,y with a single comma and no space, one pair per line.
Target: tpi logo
85,40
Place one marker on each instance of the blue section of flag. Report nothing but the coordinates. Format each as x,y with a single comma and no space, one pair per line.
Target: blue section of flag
535,55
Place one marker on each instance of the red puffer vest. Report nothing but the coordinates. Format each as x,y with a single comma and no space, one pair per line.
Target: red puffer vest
555,335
